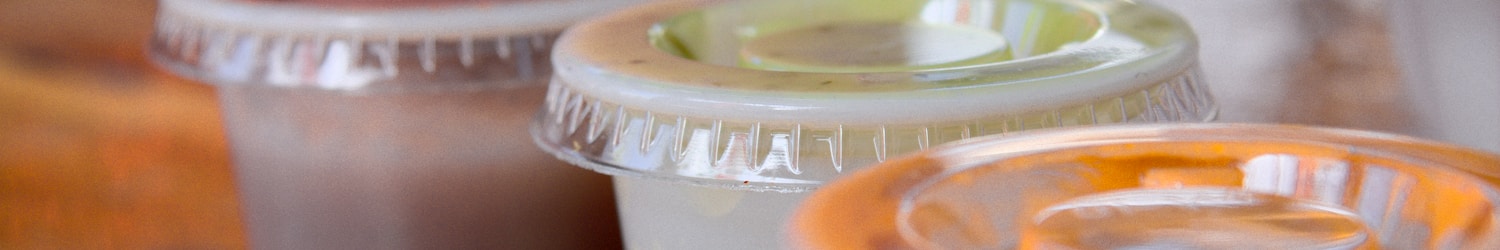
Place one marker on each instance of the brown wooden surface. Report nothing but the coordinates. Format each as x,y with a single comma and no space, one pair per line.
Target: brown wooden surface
99,150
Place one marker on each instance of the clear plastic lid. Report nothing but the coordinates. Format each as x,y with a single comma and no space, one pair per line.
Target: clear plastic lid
365,46
781,95
1178,186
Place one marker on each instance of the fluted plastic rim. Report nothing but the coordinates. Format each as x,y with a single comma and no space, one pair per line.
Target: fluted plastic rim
614,139
605,109
365,49
404,22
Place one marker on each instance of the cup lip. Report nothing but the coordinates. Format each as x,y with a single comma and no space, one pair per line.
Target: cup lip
396,22
364,50
597,59
900,178
635,118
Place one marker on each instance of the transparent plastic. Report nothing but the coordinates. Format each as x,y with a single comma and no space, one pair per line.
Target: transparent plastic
716,117
1179,186
664,92
386,125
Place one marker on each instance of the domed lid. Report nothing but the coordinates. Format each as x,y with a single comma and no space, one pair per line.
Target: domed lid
1178,186
367,46
781,95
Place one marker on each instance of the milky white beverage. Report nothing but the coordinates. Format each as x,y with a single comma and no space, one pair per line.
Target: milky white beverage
390,124
1165,186
716,117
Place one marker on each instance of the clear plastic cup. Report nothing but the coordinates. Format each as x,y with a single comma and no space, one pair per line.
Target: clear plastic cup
716,117
390,124
1166,186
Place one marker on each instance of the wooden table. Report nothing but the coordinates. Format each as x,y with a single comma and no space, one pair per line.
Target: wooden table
100,150
97,148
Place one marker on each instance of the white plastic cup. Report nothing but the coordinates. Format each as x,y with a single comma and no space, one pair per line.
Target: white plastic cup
390,124
717,117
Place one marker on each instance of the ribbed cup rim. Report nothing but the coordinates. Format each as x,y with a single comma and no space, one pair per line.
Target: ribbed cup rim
362,49
620,106
406,22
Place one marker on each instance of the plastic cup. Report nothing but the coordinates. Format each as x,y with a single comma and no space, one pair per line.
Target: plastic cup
390,124
1448,67
1177,186
716,117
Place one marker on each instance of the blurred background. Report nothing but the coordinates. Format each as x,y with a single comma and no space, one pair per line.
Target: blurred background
98,149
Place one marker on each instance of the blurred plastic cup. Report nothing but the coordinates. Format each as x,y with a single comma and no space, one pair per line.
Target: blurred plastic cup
1449,63
390,124
716,117
1166,186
